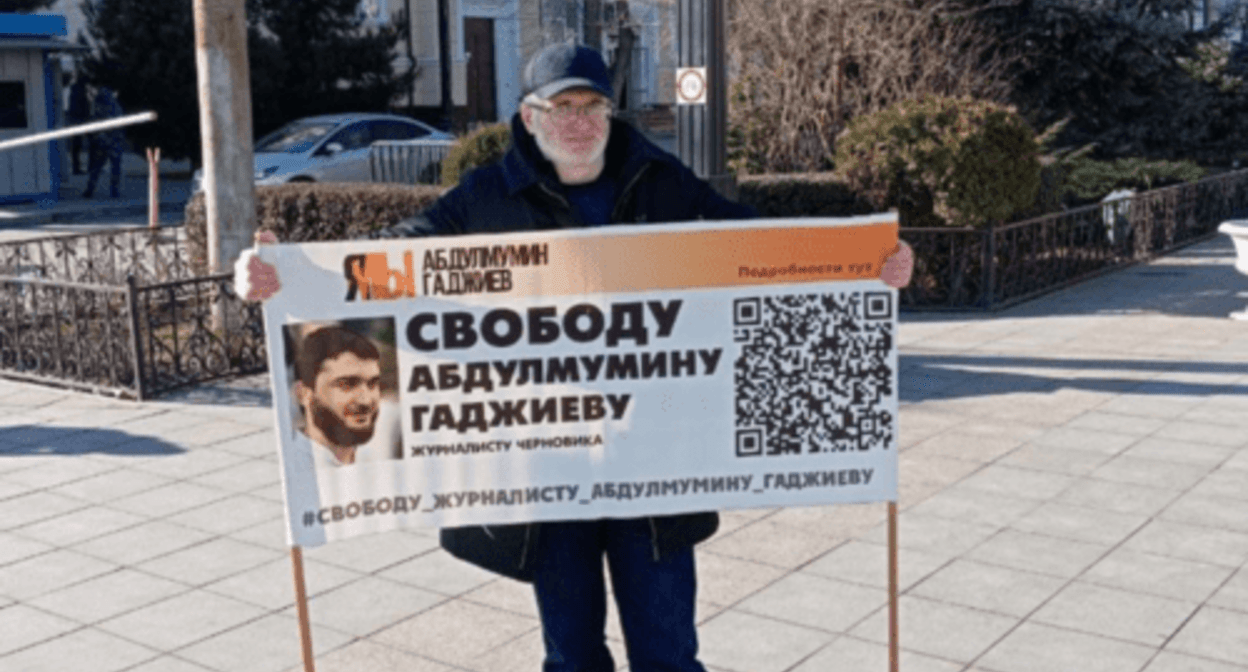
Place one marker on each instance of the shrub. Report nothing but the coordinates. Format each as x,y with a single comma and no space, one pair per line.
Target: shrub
1089,180
479,148
801,69
310,211
942,161
800,195
1072,178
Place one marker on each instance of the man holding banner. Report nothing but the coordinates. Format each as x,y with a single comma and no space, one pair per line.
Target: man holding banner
572,166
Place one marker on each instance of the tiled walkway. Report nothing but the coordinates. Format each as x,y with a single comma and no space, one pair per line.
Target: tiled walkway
1074,499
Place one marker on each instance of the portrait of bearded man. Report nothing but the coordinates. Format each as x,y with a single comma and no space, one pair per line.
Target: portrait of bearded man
339,390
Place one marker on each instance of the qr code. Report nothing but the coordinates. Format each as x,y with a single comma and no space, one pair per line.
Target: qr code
813,374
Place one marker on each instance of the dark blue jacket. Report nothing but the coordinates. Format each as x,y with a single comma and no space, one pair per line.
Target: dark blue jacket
523,193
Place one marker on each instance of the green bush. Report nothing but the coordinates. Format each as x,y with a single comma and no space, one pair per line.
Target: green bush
800,195
311,211
1090,180
1071,179
479,148
942,161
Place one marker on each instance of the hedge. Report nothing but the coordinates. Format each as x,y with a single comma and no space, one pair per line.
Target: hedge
800,195
312,211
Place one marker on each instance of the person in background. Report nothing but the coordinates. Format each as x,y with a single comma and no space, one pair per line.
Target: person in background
105,145
79,112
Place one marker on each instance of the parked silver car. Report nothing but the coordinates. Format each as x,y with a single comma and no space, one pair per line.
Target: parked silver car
328,148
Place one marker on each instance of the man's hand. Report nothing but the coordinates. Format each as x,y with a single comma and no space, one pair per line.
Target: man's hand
256,280
899,266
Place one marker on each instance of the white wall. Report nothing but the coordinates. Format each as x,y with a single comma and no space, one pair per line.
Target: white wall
26,170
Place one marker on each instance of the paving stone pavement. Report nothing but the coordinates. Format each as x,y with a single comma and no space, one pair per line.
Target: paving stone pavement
1074,495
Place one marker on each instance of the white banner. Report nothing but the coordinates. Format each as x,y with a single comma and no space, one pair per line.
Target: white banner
619,371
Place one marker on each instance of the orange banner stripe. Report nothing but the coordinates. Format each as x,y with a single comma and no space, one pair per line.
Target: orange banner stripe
717,258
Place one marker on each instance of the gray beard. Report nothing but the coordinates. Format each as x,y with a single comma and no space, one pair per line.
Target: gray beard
336,431
557,155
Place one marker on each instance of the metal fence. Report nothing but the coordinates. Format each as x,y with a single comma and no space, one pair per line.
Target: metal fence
120,312
102,258
1001,265
408,161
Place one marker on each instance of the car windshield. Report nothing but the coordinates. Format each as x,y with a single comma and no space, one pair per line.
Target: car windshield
294,137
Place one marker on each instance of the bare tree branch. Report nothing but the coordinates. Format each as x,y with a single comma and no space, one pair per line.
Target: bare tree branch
800,69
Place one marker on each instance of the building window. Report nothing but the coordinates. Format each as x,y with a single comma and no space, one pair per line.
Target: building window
13,105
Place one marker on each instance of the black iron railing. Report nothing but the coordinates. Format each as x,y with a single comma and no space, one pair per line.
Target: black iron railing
65,332
1000,265
121,313
194,330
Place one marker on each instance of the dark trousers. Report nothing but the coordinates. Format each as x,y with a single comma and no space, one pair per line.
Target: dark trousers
655,598
99,155
75,148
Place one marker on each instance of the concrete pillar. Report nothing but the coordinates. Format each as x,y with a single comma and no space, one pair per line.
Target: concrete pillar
225,128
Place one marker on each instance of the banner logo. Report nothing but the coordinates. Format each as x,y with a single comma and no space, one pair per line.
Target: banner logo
370,278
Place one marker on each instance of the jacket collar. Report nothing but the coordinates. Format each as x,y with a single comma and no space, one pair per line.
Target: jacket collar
628,151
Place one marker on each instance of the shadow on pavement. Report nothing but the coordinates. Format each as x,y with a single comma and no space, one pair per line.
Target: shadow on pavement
925,377
247,392
1197,281
69,441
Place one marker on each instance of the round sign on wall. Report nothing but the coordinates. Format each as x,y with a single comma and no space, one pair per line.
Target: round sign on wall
691,86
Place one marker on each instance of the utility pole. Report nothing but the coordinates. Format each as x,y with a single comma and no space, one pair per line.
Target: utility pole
225,128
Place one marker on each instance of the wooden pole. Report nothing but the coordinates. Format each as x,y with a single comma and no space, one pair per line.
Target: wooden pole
153,187
301,605
894,647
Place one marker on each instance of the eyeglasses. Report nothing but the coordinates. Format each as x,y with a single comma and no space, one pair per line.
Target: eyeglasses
597,111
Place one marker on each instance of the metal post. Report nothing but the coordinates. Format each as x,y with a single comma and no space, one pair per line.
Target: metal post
136,343
701,130
225,128
411,58
988,291
594,27
444,62
80,129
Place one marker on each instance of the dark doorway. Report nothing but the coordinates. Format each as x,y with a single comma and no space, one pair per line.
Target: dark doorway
479,42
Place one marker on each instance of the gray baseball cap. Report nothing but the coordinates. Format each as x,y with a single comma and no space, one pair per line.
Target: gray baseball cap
560,67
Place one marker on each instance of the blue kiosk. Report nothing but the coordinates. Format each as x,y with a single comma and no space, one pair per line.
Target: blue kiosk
30,94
